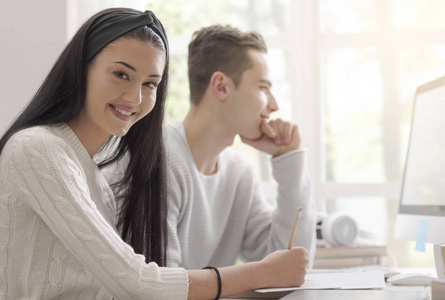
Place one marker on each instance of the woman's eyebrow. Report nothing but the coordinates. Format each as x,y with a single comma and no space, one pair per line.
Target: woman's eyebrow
125,64
134,69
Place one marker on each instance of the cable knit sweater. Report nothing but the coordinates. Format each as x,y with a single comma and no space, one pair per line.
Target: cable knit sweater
214,219
57,234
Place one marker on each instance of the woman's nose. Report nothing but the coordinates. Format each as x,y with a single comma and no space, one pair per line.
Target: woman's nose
133,95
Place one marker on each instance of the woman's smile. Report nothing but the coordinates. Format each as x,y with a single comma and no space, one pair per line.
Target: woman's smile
122,112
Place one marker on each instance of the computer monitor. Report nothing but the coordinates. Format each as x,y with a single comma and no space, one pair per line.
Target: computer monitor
422,201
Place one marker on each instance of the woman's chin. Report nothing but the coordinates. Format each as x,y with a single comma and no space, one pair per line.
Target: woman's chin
120,131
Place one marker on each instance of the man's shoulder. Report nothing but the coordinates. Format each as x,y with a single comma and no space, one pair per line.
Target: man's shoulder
174,136
177,149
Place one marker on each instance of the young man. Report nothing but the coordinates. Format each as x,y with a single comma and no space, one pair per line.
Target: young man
217,211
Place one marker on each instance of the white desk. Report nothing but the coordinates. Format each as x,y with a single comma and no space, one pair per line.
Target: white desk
389,292
401,293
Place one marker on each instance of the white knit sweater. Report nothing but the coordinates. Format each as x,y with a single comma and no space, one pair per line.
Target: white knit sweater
57,233
214,219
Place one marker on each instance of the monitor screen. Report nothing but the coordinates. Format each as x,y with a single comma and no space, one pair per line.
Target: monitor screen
423,190
421,215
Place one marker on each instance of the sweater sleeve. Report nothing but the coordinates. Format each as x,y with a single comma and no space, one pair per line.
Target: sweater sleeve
268,228
175,198
44,173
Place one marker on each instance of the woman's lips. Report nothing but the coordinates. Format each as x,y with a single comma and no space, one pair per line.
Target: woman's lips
122,112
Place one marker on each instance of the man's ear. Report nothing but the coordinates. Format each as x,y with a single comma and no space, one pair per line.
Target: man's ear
220,85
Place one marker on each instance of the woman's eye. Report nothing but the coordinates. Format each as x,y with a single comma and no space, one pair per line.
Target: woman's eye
151,85
121,75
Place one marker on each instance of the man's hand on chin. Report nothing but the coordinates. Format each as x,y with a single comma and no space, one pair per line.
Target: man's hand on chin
278,137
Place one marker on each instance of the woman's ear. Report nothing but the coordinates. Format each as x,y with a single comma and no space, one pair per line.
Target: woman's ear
220,85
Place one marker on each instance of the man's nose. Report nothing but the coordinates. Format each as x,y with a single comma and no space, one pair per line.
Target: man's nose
272,104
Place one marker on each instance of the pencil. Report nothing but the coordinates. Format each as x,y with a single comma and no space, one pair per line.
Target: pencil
297,220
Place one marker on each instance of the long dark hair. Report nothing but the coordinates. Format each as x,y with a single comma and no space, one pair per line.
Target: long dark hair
142,211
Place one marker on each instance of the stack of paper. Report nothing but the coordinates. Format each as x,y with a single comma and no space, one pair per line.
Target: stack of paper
350,256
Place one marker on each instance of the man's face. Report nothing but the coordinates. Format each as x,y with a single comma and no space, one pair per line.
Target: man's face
252,101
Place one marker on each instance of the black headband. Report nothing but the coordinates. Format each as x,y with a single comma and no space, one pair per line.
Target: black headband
115,24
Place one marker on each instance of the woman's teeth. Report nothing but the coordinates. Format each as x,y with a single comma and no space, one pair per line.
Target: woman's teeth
126,113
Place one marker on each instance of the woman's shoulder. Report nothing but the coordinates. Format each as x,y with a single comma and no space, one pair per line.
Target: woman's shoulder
33,132
33,139
30,148
32,136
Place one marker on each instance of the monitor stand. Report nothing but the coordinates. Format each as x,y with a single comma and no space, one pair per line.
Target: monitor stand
438,261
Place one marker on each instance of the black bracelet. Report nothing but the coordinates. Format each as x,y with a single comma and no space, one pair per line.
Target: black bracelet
219,280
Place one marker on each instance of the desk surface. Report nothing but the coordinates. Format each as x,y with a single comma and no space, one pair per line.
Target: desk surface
421,293
387,293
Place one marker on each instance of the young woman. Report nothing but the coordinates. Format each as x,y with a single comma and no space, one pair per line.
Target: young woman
63,235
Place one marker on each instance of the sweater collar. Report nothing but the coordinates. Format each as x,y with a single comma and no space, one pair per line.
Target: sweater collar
71,138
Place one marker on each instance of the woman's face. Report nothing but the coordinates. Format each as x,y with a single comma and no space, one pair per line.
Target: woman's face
121,87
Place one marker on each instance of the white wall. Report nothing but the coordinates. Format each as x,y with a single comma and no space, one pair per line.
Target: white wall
32,35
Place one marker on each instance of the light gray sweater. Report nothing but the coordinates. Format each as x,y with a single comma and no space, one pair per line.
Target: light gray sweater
215,219
57,234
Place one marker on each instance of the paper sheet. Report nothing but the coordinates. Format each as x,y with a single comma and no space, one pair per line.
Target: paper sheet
309,284
341,280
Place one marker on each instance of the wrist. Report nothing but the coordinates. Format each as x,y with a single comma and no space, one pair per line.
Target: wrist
261,272
284,151
218,277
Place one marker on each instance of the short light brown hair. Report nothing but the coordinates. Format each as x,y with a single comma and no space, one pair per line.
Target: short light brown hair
219,48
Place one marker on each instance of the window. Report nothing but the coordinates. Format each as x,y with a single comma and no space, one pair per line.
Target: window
371,56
